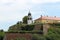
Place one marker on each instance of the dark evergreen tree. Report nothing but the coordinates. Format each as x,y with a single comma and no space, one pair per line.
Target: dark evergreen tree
25,19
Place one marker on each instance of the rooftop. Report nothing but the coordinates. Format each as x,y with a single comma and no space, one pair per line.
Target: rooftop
49,18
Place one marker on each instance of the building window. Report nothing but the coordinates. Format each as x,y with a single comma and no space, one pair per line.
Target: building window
47,21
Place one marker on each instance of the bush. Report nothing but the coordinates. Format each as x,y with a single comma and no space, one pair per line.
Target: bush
22,38
53,34
38,37
2,35
28,28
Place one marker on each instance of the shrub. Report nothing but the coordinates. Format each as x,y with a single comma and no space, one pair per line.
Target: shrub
22,38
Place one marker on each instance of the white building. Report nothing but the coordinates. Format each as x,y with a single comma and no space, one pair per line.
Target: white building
29,18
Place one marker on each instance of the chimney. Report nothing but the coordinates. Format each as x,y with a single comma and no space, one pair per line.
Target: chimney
55,16
47,15
41,15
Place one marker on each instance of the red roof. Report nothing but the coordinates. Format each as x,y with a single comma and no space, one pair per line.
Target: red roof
48,18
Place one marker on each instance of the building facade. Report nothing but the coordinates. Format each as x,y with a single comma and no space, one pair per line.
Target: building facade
48,19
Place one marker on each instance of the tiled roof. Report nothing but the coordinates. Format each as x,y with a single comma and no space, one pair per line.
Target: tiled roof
48,18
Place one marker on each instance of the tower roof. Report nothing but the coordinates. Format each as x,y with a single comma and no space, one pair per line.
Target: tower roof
29,13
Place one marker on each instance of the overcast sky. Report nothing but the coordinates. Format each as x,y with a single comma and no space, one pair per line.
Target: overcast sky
12,11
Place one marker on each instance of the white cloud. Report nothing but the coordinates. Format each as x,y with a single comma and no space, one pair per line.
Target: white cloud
7,17
8,9
45,1
11,7
6,1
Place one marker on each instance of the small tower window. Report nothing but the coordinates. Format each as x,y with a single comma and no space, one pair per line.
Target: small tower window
30,18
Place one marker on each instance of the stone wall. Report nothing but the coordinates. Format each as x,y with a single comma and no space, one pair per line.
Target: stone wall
45,28
42,27
13,36
28,36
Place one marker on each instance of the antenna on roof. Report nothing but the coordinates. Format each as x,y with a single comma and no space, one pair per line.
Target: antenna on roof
55,16
47,15
29,10
41,15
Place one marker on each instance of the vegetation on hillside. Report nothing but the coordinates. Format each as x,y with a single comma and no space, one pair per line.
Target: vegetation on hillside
21,38
2,34
53,32
21,27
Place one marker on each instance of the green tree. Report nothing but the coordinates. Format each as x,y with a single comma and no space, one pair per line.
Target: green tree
2,34
19,22
25,19
53,34
38,37
27,27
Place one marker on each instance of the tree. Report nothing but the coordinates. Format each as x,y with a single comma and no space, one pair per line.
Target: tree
27,27
2,34
1,30
19,22
25,19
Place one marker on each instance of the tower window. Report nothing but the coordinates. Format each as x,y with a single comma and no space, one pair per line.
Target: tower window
30,18
47,21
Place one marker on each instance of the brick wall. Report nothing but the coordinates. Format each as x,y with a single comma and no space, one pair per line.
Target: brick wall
12,36
28,36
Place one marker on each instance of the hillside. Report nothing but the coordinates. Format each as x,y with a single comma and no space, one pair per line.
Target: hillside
53,32
2,34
